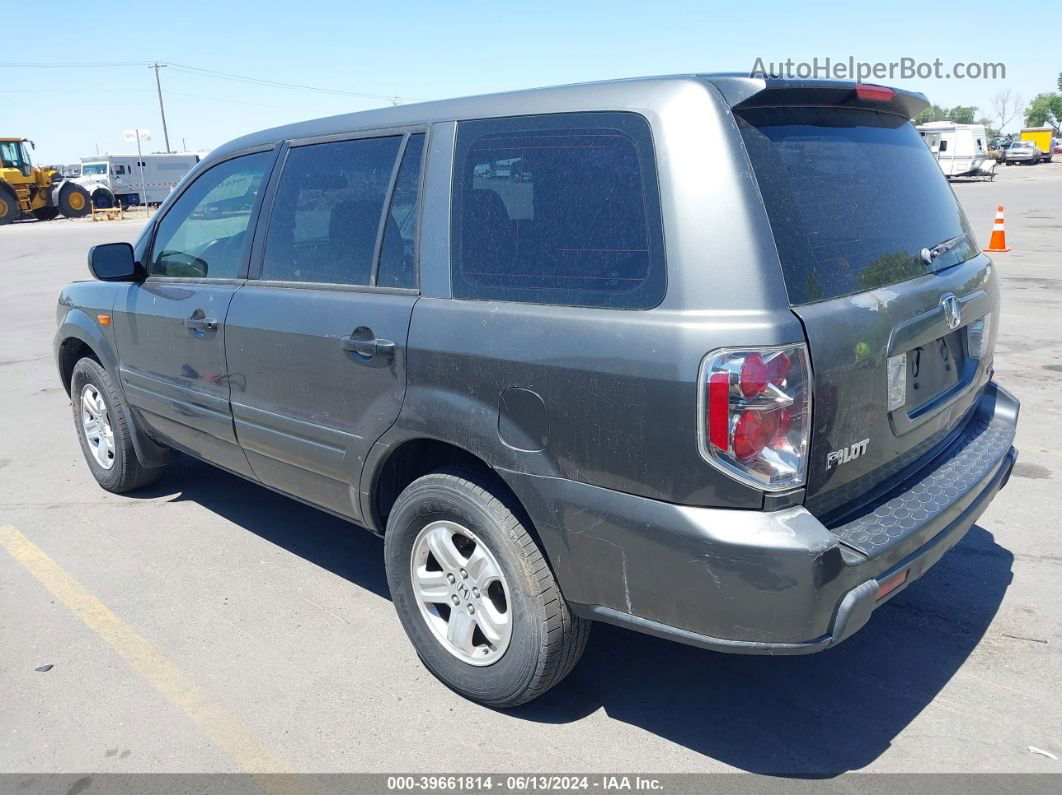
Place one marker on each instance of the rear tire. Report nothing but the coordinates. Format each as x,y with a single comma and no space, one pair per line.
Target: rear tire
525,638
101,418
9,209
74,201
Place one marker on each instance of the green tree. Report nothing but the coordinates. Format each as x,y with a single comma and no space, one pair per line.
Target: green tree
962,114
1045,109
932,113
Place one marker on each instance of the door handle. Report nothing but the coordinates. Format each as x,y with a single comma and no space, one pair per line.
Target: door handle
197,322
368,348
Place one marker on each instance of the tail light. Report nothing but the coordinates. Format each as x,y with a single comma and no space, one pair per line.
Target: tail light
756,414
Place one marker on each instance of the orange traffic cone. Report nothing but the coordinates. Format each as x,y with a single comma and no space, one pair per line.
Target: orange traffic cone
998,242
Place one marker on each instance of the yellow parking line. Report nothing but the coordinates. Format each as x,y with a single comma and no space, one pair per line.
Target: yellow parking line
219,725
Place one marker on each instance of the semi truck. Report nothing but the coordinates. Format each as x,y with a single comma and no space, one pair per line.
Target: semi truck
133,179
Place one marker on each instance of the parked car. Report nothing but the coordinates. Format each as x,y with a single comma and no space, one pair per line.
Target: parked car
998,148
1022,152
1056,146
710,396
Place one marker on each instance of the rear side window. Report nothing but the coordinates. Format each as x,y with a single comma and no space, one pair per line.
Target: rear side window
560,209
326,214
398,249
853,196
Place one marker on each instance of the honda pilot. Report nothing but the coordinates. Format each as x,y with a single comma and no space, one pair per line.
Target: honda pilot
706,357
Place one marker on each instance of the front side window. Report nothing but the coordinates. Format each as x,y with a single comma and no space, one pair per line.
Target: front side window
559,209
205,233
326,215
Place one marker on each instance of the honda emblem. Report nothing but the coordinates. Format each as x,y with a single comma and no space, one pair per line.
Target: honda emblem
952,313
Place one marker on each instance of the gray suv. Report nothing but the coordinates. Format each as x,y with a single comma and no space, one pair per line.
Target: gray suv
707,357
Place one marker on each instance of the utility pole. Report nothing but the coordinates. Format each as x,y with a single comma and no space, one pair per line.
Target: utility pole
158,85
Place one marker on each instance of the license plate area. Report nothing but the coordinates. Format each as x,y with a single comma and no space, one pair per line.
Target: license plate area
935,371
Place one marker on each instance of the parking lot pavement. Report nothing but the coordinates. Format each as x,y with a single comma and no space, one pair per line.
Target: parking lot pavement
210,625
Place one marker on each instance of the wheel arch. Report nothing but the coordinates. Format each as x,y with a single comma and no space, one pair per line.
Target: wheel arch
104,190
390,468
79,338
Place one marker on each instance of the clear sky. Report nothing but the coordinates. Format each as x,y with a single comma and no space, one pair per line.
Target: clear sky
419,50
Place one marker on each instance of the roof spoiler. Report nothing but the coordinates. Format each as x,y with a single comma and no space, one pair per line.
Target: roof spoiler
742,91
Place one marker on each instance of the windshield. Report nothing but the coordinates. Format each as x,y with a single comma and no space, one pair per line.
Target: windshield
89,169
13,155
853,197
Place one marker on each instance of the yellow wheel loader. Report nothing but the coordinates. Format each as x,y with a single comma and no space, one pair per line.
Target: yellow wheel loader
38,192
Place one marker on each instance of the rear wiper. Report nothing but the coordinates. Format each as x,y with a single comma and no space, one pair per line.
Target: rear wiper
930,254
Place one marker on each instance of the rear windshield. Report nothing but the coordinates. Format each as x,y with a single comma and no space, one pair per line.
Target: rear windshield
853,197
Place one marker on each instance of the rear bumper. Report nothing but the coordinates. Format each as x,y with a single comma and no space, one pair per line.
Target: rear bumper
775,582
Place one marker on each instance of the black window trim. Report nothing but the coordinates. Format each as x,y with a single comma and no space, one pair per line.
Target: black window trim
252,224
254,273
657,191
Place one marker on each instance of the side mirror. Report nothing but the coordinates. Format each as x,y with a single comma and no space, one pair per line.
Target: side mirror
113,262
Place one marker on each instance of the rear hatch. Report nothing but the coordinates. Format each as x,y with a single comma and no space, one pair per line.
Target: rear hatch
883,271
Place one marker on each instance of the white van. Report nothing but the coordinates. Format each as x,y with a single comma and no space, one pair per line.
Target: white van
112,179
960,149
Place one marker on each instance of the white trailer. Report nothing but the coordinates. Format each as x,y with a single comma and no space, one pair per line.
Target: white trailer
133,179
960,149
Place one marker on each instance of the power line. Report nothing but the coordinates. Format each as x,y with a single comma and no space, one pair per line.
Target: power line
229,101
189,69
278,84
70,64
94,90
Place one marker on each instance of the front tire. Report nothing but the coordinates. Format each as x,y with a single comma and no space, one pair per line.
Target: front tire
101,418
474,593
102,200
74,201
